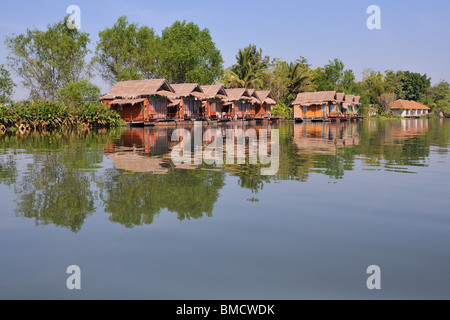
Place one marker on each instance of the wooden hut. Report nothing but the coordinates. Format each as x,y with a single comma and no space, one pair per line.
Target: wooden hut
139,101
267,100
236,105
313,106
335,109
214,95
356,104
253,104
347,105
186,101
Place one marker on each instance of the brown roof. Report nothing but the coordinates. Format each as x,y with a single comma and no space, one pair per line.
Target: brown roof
127,101
408,104
349,98
356,100
311,98
186,90
215,91
237,94
266,96
340,97
133,89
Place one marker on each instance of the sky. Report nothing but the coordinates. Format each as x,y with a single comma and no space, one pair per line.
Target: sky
414,35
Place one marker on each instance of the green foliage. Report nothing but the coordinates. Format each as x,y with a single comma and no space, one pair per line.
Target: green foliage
281,110
188,54
330,76
50,115
407,85
249,71
49,60
6,85
438,98
126,51
75,93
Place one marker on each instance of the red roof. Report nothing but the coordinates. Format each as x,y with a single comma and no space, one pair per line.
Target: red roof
407,104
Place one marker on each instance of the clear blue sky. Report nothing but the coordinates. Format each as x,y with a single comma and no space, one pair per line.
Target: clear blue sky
414,35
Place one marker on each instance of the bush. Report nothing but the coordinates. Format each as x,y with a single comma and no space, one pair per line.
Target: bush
52,115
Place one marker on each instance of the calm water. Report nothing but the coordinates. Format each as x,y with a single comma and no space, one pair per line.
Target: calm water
113,202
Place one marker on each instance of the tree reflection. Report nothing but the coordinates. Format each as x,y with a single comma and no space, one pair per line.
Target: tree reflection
135,198
58,176
56,188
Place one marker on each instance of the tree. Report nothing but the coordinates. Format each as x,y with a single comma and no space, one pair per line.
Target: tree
330,77
279,80
438,97
249,71
75,93
188,54
49,60
386,99
126,52
6,85
374,86
408,85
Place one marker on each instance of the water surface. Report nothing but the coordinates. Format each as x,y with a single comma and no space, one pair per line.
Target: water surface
345,196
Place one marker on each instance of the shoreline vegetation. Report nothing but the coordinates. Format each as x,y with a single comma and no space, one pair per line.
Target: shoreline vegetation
56,66
46,115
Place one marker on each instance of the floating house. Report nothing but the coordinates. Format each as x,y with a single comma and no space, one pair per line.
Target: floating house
237,105
410,109
139,101
347,106
313,105
324,106
263,108
186,101
213,97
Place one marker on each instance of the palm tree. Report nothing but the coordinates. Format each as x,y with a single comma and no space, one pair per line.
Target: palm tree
250,71
299,77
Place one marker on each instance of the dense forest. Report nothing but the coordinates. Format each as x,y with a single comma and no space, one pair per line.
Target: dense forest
57,65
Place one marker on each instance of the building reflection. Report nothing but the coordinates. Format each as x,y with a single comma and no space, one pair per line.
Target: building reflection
325,137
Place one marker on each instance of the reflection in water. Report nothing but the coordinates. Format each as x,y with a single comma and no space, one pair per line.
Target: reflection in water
58,177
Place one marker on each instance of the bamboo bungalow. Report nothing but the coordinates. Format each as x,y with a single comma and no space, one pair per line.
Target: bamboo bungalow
409,109
335,109
356,104
214,95
139,101
252,104
313,106
235,106
347,106
186,101
267,100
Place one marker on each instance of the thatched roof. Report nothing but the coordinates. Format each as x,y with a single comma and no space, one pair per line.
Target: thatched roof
237,94
215,91
340,97
186,90
254,98
133,89
407,104
266,96
127,101
312,98
356,100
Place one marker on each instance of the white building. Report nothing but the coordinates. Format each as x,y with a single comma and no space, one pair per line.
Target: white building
407,108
